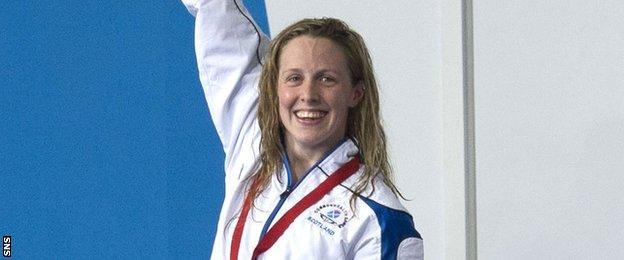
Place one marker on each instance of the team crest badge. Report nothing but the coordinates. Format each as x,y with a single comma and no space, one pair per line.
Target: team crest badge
328,217
333,214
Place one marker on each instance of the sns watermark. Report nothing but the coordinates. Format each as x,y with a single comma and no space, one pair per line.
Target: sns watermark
6,246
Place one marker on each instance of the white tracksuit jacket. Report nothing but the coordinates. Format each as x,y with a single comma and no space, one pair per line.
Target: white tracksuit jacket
229,47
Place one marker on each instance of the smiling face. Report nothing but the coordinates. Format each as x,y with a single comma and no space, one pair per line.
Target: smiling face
315,92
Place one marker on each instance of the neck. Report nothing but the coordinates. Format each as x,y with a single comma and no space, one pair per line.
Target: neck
302,158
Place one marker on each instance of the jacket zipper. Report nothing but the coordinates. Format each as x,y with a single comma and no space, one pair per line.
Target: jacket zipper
290,187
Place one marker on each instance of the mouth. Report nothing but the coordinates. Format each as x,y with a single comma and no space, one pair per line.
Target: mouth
310,115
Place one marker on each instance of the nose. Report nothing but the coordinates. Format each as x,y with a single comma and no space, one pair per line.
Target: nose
309,92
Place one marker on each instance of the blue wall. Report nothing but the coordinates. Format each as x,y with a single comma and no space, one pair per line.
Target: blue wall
106,145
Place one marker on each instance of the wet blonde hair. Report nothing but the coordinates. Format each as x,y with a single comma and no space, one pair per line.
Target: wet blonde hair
363,121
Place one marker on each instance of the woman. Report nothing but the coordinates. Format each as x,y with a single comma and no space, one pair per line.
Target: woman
307,175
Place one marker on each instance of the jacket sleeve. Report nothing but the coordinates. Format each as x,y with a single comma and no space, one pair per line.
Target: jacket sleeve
229,47
410,248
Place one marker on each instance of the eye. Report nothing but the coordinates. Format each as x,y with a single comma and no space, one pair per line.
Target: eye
294,78
327,80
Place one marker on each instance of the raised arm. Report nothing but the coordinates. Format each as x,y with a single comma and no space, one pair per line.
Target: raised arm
229,47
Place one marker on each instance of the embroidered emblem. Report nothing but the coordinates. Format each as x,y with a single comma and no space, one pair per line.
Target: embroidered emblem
333,214
329,216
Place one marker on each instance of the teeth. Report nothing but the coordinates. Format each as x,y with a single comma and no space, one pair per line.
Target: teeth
310,114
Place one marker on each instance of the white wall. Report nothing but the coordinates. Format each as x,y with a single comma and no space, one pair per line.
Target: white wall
549,88
404,40
549,107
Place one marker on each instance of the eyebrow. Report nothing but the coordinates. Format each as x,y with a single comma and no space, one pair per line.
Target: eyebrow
290,70
315,73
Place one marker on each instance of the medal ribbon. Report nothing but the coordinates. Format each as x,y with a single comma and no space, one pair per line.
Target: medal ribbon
284,222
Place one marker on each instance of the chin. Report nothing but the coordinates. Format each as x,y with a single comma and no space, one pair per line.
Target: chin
320,141
311,141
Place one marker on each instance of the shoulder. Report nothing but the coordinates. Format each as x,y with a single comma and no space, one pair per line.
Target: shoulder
388,229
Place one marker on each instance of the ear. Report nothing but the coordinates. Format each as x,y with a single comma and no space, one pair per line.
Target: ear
357,93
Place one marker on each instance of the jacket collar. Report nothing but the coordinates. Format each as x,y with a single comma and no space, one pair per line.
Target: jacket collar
329,163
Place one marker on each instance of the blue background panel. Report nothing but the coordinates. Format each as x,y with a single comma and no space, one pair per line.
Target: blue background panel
106,145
